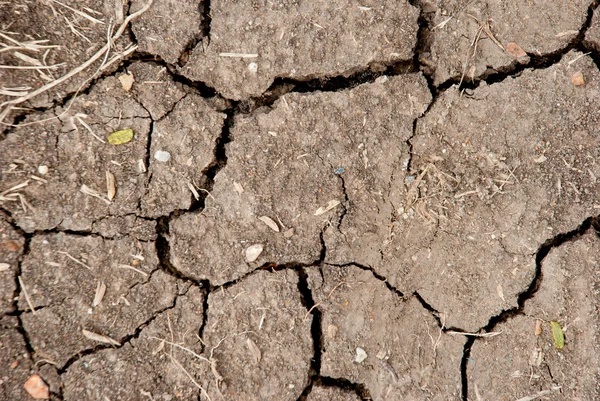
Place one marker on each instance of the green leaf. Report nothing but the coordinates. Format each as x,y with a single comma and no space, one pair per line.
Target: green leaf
558,334
120,137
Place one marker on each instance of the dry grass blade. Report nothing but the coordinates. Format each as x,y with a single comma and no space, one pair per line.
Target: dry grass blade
100,338
134,269
481,335
31,67
26,295
74,260
92,192
14,188
189,376
80,13
193,190
79,118
8,105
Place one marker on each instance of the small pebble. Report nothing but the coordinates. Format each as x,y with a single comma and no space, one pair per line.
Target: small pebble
162,156
253,68
37,388
361,355
43,170
253,251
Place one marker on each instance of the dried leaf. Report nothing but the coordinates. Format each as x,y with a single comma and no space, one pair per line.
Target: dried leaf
100,338
4,267
253,251
256,355
100,291
126,81
515,50
238,188
37,388
120,137
558,335
324,209
111,188
577,79
269,222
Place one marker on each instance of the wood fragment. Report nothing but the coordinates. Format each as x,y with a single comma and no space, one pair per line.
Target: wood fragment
92,192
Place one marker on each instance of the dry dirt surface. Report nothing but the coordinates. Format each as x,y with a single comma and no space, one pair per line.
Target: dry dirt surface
299,200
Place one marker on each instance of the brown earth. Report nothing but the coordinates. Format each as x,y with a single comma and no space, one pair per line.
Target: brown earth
321,200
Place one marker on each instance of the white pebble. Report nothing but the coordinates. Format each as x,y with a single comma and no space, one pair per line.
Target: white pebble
361,355
162,156
253,251
253,68
43,170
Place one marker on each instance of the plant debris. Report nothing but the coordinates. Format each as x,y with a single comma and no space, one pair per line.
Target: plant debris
330,205
256,354
100,291
99,338
558,335
120,137
269,222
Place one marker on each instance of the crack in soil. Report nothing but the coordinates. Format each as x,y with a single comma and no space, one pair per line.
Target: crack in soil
535,284
280,87
124,340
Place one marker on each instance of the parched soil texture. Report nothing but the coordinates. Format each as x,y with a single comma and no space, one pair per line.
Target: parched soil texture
299,200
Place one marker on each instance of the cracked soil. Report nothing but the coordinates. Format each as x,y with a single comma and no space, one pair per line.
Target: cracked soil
374,200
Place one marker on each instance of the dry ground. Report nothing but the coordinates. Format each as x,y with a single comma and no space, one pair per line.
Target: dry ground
349,200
